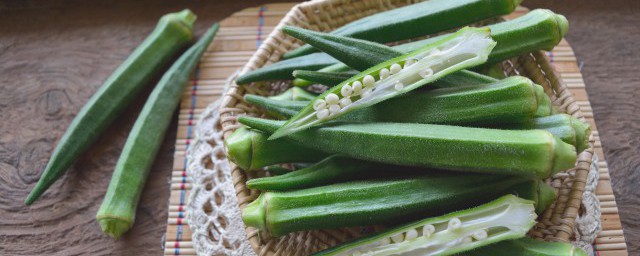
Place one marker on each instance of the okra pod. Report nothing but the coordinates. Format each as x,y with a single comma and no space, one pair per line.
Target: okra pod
570,129
505,218
537,30
527,247
419,19
172,34
465,48
372,202
251,150
117,212
534,153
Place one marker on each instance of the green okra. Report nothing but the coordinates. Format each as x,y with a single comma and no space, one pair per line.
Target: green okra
282,69
295,94
277,170
372,202
513,99
527,247
466,48
419,19
505,218
533,153
333,169
319,77
117,212
345,46
537,30
251,150
570,129
171,35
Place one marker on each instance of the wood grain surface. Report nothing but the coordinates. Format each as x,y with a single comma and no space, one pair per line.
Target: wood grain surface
55,54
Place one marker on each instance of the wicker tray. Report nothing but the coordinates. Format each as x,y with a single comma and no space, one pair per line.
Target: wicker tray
556,224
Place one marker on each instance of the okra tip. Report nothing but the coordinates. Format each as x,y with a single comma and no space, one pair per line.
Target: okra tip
114,226
186,17
546,197
583,130
254,214
563,24
564,156
239,146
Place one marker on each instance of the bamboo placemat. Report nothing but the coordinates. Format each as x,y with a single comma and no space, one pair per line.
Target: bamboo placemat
238,38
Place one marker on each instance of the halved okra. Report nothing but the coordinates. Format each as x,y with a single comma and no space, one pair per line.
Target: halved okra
465,48
373,202
251,150
533,153
508,217
527,247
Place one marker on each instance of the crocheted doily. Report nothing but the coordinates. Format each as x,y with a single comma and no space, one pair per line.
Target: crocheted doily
215,220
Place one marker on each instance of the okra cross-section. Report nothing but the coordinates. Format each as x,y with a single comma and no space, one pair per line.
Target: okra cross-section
505,218
466,48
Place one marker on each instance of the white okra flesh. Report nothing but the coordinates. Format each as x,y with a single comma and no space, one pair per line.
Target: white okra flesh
506,218
467,48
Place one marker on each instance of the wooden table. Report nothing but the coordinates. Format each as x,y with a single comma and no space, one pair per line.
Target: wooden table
55,54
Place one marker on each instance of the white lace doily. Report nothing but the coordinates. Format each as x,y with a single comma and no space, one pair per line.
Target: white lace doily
215,219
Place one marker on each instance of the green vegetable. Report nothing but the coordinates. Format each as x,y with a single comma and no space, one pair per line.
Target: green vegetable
570,129
508,217
537,30
319,77
283,69
527,247
372,202
510,100
294,94
419,19
277,170
170,36
534,153
117,212
251,150
345,46
331,170
465,48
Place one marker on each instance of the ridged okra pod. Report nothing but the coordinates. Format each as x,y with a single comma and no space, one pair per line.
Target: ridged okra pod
508,217
534,153
251,150
373,202
527,247
509,100
465,48
568,128
419,19
537,30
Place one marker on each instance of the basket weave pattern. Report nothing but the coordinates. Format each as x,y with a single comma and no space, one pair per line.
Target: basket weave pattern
557,222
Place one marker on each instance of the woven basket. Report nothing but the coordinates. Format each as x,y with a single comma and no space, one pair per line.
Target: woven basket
556,224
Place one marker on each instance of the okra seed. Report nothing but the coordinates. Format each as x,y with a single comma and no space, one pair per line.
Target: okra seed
398,86
346,90
409,62
455,223
322,114
332,98
384,73
427,230
426,73
467,240
397,238
319,104
344,102
411,234
357,87
395,68
334,108
368,80
480,235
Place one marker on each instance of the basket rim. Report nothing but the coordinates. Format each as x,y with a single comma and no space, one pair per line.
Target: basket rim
560,222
